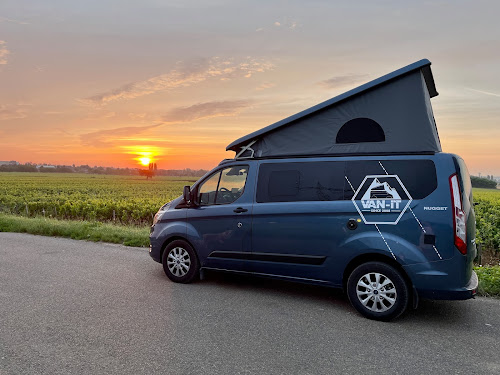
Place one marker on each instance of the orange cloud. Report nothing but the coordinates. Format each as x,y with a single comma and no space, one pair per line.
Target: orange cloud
206,110
11,112
4,52
342,81
186,75
105,138
265,85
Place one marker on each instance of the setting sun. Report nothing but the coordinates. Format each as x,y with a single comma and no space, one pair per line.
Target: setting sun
145,161
144,154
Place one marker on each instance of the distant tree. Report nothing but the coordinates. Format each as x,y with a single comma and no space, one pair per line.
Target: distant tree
146,172
481,182
28,167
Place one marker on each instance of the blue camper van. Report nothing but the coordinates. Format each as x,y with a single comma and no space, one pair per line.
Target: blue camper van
354,193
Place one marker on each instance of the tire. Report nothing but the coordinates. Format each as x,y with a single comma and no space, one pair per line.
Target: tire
378,291
180,262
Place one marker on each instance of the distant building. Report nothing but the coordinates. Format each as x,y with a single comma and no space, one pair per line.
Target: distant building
46,166
12,162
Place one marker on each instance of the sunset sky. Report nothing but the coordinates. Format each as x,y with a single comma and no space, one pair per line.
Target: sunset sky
109,82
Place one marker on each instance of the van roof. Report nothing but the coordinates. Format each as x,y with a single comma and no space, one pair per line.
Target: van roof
430,143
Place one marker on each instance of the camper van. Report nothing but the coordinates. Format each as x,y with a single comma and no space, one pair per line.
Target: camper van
354,193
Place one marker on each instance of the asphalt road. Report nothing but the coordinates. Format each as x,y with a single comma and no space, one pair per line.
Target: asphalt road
75,307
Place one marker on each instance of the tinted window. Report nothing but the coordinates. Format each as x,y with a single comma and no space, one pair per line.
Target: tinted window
224,186
418,176
293,182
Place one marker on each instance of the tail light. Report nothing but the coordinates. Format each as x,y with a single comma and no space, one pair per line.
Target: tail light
459,218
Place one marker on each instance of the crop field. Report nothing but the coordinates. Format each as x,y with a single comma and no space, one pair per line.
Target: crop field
488,218
121,199
133,200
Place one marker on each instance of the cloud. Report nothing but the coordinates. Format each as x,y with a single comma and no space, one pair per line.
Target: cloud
5,19
206,110
63,131
101,115
283,23
4,52
288,22
265,85
105,138
12,112
484,92
341,81
109,137
183,76
53,112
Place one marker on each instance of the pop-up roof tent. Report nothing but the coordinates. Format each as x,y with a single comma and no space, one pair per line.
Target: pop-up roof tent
391,114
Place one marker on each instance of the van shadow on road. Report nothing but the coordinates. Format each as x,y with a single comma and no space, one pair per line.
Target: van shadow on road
438,313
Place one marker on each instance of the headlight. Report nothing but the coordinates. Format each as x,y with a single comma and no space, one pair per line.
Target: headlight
157,217
160,212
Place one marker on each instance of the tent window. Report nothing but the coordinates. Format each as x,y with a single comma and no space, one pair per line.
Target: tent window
360,130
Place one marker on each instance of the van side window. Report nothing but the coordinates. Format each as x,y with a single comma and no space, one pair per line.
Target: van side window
224,186
418,176
208,190
232,184
284,183
301,181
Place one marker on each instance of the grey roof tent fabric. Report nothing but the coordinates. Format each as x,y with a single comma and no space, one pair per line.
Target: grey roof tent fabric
399,102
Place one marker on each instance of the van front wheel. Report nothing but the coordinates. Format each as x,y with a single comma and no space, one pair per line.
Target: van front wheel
378,291
180,262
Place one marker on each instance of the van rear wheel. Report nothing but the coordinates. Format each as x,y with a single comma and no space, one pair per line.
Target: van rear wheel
378,291
180,262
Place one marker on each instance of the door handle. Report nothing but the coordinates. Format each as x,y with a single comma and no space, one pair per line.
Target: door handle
240,210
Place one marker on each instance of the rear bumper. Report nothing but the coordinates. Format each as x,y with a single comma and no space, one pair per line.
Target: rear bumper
466,292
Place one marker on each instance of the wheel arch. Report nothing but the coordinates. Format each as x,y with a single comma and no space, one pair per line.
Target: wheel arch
375,257
169,240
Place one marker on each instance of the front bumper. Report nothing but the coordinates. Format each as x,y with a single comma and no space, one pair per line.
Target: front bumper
155,249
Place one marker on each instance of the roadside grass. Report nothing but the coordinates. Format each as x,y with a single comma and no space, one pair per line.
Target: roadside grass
489,280
77,230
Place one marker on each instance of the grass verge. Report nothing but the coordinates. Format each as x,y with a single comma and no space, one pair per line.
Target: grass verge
489,280
77,230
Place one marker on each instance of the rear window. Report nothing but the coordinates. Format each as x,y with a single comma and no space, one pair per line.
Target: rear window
465,177
302,181
417,176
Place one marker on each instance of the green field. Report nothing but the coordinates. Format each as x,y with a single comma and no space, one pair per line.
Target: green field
488,218
130,200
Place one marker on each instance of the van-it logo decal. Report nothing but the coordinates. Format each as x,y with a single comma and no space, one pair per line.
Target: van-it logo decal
381,199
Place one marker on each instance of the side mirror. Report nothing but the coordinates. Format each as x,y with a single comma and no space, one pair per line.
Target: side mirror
186,194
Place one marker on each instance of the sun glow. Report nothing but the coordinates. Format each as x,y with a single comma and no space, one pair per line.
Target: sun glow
145,160
144,155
